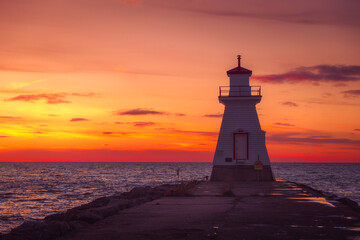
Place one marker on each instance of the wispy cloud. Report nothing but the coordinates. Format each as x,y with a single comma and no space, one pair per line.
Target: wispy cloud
315,74
79,119
140,111
9,117
49,98
296,138
203,133
351,93
110,133
302,18
218,115
138,124
290,104
4,136
356,130
284,124
143,124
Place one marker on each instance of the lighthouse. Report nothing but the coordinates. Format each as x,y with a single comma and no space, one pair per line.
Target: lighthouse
241,153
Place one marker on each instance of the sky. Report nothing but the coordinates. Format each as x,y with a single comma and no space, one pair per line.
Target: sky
137,80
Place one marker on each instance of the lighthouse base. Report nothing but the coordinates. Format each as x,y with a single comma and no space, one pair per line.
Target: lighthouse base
241,173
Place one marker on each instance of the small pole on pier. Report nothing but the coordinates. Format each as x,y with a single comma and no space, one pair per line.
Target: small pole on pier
178,173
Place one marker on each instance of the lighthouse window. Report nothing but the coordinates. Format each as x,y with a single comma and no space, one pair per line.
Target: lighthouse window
228,159
241,148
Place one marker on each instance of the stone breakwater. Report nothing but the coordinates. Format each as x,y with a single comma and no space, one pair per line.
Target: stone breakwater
56,225
204,210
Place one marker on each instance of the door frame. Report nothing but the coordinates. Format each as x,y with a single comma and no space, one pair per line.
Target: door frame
247,144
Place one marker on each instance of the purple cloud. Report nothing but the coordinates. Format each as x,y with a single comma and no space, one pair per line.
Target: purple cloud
351,93
137,124
108,133
140,111
295,17
315,74
210,134
294,138
114,133
290,104
356,130
219,115
49,98
179,114
143,124
79,119
284,124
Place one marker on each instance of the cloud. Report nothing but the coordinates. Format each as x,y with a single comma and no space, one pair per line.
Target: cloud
140,111
280,11
10,117
108,133
49,98
356,130
218,115
79,119
138,124
143,124
180,114
115,133
290,104
351,93
294,138
284,124
4,136
204,133
315,74
302,18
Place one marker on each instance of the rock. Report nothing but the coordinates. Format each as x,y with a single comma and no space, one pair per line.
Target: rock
354,205
39,230
56,225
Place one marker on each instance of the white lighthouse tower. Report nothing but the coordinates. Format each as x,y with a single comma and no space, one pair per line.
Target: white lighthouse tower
241,154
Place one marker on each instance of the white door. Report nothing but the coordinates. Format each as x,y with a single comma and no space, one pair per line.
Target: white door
241,146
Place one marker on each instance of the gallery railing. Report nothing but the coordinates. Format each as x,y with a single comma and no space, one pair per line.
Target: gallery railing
239,91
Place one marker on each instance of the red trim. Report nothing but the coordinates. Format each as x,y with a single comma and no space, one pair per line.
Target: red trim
247,144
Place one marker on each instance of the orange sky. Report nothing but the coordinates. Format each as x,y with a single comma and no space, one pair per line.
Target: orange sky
137,80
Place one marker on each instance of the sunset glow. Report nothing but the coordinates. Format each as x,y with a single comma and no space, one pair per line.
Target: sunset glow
127,80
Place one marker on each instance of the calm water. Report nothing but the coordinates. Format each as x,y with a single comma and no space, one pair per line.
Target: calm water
33,190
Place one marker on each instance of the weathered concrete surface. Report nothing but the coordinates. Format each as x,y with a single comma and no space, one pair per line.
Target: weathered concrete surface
258,210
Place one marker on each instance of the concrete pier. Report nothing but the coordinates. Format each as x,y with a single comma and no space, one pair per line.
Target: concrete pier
225,210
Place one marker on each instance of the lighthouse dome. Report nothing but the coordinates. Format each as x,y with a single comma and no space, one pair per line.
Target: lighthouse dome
239,70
